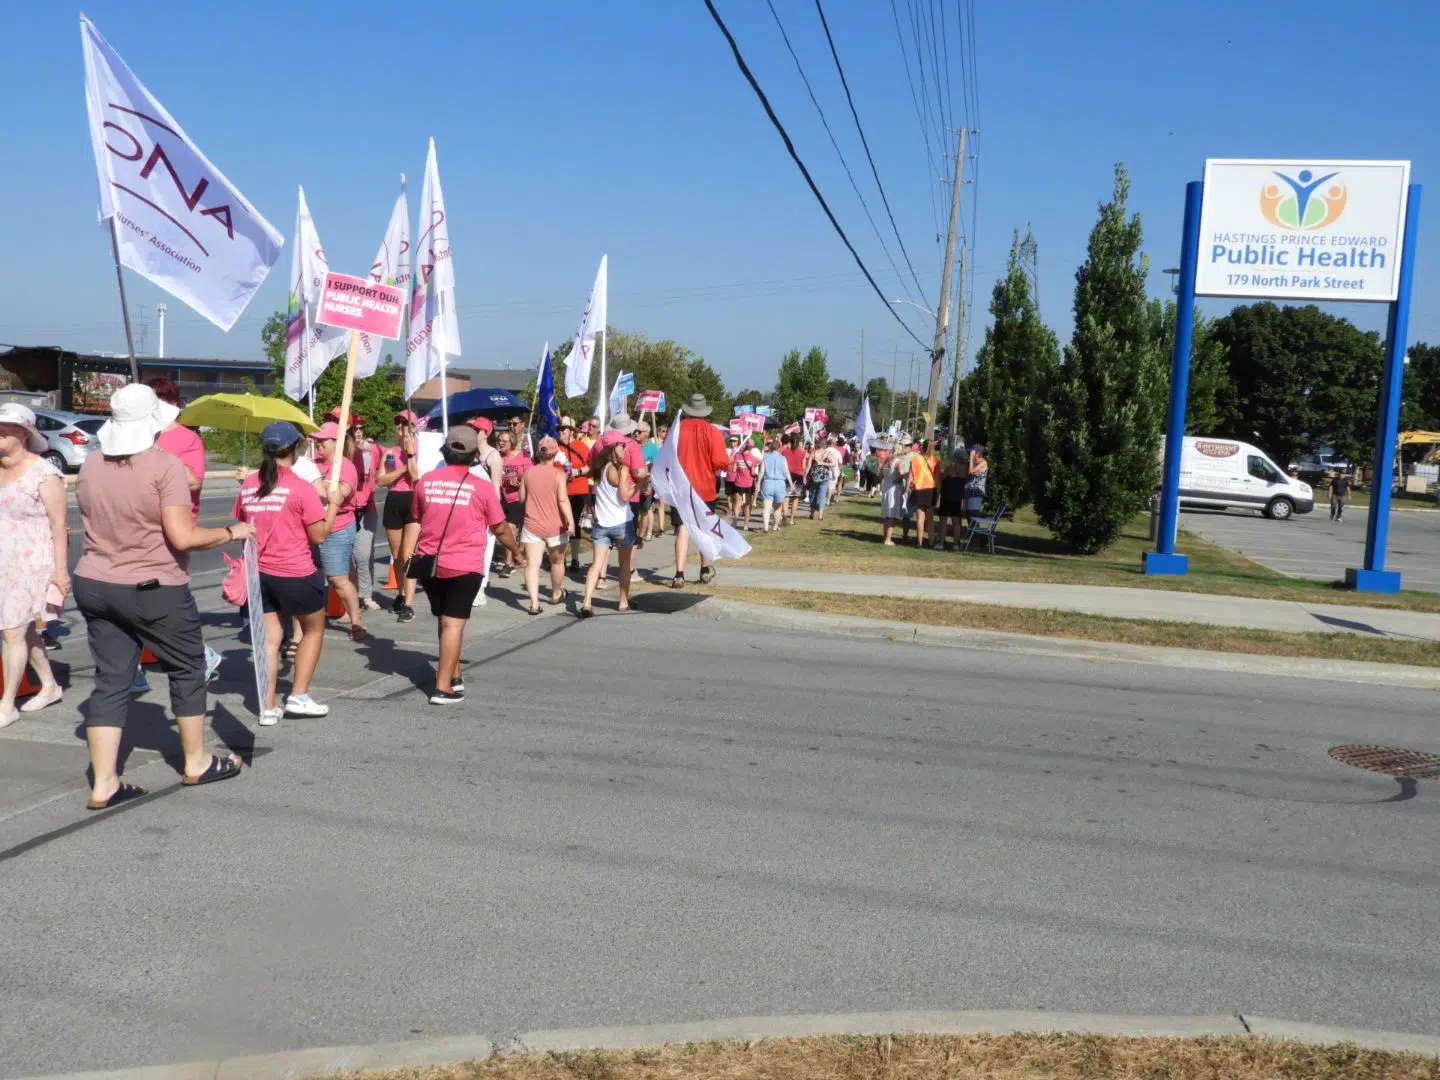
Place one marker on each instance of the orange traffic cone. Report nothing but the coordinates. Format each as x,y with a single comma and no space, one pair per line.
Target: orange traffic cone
26,686
390,582
333,607
148,657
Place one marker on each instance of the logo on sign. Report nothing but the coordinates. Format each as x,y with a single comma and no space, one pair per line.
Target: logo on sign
1218,449
1303,202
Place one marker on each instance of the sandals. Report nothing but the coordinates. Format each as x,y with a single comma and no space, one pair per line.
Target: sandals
533,611
564,593
584,612
290,650
124,793
218,769
358,633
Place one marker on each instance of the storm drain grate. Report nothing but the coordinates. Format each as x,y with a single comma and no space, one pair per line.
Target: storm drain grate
1390,760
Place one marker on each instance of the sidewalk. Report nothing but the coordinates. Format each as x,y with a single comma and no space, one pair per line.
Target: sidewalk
1240,611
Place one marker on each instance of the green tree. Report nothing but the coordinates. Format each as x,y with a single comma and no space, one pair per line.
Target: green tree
1300,378
814,383
749,397
377,397
788,399
1103,419
1420,396
1017,364
658,365
1210,399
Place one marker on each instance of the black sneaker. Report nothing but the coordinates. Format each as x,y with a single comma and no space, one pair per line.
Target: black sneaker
51,645
575,566
404,613
457,686
446,697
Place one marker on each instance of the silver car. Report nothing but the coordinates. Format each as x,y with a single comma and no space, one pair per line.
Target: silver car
71,437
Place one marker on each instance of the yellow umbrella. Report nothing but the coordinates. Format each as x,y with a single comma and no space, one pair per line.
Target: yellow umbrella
243,412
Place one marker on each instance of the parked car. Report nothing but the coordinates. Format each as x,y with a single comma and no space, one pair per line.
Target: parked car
71,437
1222,473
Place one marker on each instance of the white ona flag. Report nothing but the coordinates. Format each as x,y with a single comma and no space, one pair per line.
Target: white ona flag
709,532
577,364
309,347
434,330
864,428
178,222
391,267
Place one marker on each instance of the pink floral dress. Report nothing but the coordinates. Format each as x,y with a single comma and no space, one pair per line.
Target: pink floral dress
27,550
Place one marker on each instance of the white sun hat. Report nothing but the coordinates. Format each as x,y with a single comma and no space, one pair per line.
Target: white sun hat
136,417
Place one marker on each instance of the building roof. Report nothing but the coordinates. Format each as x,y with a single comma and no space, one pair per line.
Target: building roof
512,379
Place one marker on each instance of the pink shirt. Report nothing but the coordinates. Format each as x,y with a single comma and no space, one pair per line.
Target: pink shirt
280,519
367,463
185,445
515,467
346,514
396,458
744,464
120,502
477,510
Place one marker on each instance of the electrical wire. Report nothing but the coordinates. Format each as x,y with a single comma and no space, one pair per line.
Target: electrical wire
919,116
814,190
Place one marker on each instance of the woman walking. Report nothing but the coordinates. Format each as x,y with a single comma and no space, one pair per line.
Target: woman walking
34,570
399,470
457,512
774,483
547,525
514,464
824,467
614,525
288,518
339,545
133,587
740,480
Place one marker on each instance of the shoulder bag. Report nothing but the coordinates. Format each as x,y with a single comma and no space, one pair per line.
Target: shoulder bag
421,568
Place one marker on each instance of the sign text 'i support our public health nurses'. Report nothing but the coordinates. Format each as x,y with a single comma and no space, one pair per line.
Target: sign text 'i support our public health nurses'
1302,230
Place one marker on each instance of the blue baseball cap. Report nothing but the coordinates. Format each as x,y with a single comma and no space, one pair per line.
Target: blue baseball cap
280,435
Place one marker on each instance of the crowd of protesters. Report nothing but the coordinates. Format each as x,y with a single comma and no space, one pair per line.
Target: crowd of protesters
314,509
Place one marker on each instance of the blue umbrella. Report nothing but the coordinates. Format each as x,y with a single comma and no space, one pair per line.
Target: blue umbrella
468,404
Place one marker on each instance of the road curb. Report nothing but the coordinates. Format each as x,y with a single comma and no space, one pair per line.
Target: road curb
1351,671
393,1055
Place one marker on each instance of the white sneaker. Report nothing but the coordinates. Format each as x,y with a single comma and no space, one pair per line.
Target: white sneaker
480,600
270,717
304,705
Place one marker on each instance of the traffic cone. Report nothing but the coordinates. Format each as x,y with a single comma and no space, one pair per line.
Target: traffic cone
333,607
390,583
26,686
148,657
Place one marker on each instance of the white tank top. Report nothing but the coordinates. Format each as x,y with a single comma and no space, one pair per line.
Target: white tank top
609,509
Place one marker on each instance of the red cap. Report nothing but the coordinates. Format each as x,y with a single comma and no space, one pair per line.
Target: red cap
482,423
355,421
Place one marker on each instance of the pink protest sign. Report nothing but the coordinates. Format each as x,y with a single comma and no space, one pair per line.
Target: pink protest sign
737,426
356,304
650,401
791,429
754,422
816,416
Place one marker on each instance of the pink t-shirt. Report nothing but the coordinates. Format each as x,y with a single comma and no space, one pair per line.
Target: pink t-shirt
346,514
744,464
366,461
396,458
515,467
477,509
280,519
120,502
185,445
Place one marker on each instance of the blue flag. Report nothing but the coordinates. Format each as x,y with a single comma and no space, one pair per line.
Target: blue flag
547,418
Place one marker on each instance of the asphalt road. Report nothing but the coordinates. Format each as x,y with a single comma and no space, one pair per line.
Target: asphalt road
1313,546
662,817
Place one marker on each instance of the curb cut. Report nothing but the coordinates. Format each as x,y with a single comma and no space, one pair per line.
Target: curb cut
300,1063
1350,671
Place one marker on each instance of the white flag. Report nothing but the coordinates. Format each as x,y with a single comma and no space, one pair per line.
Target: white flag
179,223
309,347
864,428
434,330
577,364
391,267
709,532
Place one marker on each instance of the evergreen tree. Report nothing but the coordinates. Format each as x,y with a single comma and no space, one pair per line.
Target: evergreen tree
1211,392
803,383
1017,365
1104,416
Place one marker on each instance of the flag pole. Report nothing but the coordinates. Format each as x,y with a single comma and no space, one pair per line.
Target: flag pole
604,391
124,305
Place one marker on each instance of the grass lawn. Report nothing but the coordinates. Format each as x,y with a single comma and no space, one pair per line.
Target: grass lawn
1328,645
947,1057
848,541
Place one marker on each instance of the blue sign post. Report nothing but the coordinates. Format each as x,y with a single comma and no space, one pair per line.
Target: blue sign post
1373,577
1165,560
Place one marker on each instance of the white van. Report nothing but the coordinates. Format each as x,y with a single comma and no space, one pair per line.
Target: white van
1222,473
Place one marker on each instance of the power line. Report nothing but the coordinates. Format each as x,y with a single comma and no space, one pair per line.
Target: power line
838,153
790,148
919,116
820,8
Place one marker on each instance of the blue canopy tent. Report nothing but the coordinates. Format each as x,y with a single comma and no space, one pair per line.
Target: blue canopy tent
468,404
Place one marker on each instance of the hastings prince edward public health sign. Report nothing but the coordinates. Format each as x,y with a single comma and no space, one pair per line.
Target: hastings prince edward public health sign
1302,230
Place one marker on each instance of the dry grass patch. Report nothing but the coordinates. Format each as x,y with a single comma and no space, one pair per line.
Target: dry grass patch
950,1057
1337,645
848,541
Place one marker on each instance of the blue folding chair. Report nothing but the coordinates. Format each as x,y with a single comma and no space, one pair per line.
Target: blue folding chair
985,528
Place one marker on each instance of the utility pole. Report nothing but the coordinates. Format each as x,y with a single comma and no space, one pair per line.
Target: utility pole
862,373
942,317
959,350
160,318
894,378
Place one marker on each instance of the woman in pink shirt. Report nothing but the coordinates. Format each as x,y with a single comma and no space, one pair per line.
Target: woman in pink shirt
515,464
456,512
336,549
288,517
181,441
399,471
548,524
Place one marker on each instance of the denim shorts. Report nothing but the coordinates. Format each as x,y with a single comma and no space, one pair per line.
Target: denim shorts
335,551
616,536
772,491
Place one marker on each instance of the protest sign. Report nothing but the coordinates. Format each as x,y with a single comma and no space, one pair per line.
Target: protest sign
356,304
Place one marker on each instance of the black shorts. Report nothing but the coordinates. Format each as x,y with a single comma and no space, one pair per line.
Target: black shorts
731,488
291,597
675,519
577,509
515,513
922,498
399,509
797,483
452,597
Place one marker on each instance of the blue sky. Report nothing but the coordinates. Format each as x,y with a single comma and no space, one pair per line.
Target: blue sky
569,129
